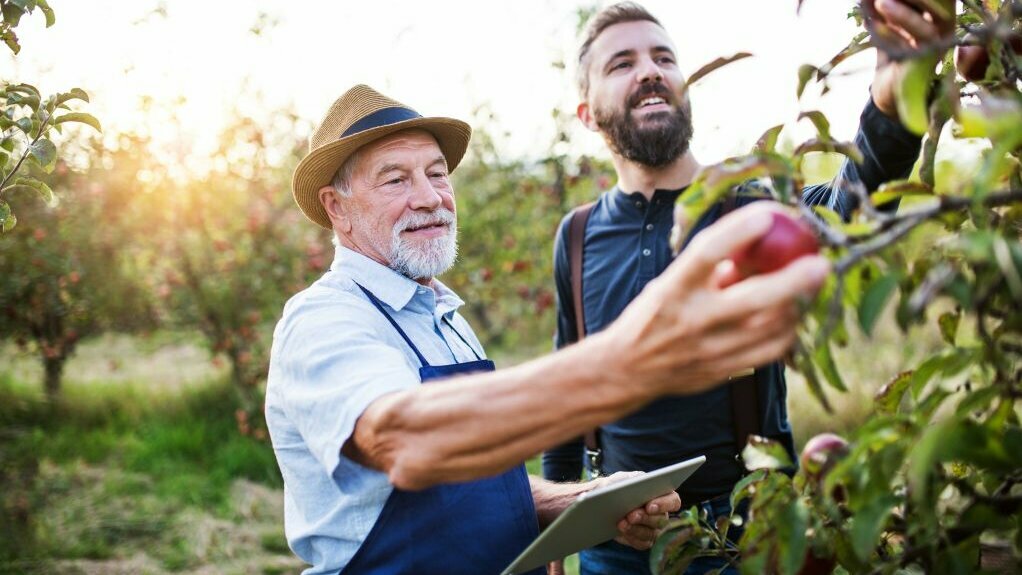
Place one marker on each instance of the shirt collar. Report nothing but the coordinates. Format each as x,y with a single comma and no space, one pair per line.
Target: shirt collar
635,203
387,285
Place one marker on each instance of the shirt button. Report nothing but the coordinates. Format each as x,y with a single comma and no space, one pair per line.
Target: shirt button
638,204
646,252
649,227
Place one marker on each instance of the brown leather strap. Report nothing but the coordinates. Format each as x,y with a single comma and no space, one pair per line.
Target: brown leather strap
576,244
744,390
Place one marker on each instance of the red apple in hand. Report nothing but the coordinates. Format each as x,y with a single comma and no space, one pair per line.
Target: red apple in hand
787,239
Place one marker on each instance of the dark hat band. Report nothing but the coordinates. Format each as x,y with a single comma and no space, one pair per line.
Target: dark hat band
383,117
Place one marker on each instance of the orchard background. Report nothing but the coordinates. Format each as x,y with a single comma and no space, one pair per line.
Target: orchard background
137,300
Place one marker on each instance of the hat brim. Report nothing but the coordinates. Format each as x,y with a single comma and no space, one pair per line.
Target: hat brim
318,168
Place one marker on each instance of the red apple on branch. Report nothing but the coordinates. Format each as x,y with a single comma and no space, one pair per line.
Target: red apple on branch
787,240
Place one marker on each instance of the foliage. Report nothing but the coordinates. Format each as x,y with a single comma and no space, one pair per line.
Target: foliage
229,250
65,274
931,481
27,120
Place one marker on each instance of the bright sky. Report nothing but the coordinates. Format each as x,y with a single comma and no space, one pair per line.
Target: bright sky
195,60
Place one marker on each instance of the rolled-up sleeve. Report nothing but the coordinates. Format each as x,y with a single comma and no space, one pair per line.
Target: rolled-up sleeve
330,363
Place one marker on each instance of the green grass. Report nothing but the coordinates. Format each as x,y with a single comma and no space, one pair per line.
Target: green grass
113,470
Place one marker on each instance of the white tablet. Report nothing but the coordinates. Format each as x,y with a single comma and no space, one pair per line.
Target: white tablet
593,517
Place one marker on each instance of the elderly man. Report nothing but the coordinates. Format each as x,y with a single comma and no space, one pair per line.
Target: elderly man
385,475
632,93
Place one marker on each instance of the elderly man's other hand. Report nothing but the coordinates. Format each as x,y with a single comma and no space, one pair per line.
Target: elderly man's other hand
640,526
904,25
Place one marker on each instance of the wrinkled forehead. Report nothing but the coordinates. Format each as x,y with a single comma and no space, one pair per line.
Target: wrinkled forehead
637,37
405,147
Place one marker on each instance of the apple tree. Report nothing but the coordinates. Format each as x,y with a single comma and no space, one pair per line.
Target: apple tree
932,481
28,120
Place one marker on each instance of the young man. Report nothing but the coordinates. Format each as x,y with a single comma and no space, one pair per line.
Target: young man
385,475
632,94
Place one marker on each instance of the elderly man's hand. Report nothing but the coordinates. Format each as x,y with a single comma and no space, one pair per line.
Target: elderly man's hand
695,325
640,527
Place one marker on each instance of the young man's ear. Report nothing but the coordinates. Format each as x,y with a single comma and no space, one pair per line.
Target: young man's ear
331,201
584,113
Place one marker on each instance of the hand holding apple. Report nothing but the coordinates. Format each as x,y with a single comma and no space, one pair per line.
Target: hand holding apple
787,240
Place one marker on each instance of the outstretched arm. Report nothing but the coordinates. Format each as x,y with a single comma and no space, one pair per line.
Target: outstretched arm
683,334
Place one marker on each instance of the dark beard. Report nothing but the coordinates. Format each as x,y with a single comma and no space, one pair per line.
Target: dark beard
664,139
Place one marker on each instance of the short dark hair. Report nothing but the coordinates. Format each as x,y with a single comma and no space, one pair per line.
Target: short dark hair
614,14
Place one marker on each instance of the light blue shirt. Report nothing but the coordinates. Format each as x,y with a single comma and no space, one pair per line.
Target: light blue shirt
333,354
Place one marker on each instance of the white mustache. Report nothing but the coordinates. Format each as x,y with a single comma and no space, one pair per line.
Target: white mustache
440,216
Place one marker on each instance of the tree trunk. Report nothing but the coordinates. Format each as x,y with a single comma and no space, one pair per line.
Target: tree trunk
54,371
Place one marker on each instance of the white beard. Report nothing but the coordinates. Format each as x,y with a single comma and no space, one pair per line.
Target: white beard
421,259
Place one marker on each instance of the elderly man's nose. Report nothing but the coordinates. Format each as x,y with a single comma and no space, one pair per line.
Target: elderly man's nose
424,195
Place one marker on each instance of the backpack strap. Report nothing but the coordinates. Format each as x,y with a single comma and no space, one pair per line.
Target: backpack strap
576,245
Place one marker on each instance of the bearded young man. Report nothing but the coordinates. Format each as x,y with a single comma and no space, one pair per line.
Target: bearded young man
385,475
633,95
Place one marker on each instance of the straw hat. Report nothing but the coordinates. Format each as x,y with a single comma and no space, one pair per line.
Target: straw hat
357,118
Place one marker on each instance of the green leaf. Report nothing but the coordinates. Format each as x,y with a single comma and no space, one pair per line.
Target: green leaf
676,546
792,542
978,400
818,145
714,65
37,186
804,365
888,398
875,300
820,121
12,14
73,94
25,125
713,182
805,73
911,93
7,219
768,141
948,322
79,117
868,523
27,89
948,363
1002,254
44,152
745,487
763,453
47,12
825,361
898,189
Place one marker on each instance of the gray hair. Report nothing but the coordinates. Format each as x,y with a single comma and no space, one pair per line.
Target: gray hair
342,179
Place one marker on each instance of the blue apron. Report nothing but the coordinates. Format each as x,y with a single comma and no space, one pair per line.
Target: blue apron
472,528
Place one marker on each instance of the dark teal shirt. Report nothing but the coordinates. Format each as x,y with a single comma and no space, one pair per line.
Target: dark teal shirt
626,246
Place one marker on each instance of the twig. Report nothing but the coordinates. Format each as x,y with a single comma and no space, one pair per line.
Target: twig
894,228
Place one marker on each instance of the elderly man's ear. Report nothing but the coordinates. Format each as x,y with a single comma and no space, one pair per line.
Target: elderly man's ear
331,201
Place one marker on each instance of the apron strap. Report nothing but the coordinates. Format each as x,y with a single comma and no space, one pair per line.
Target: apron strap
400,331
462,338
